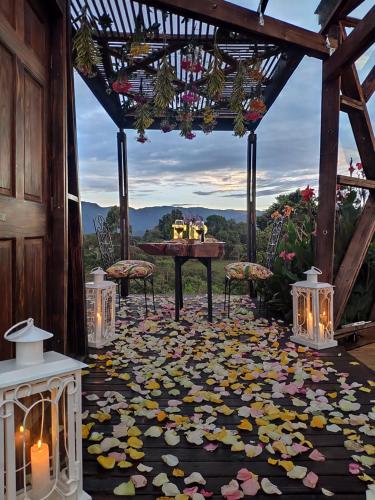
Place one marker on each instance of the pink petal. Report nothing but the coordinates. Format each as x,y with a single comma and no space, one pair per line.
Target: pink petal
206,493
299,448
232,491
191,491
117,456
354,468
317,456
310,480
210,447
244,475
250,487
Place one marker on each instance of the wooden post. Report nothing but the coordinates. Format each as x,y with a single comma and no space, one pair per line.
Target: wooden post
329,142
251,196
124,203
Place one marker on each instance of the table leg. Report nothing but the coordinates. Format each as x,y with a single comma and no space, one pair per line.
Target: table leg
177,286
181,297
209,289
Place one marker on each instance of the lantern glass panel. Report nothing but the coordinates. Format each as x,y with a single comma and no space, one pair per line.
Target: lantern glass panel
305,315
325,319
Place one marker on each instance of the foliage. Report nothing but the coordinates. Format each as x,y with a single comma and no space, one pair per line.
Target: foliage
215,76
164,88
239,128
87,54
238,91
143,117
113,219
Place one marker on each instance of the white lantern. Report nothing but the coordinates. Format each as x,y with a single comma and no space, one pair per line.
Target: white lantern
313,312
40,421
100,309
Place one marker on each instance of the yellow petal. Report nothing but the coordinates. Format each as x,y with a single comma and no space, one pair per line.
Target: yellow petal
245,425
134,454
106,462
135,442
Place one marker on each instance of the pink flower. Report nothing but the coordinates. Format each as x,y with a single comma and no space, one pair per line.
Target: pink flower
354,468
190,136
253,116
190,97
206,493
351,169
190,491
287,255
359,166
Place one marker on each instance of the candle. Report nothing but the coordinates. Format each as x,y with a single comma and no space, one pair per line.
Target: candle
309,323
21,436
40,478
321,331
99,322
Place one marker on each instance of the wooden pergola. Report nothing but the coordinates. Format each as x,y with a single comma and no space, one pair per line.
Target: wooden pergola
244,34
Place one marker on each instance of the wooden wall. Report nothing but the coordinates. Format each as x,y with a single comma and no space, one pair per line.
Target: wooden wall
33,209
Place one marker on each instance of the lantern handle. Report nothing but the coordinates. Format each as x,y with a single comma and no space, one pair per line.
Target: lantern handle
9,336
95,269
318,271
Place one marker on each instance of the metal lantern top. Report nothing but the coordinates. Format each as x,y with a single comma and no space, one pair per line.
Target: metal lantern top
29,342
311,280
98,274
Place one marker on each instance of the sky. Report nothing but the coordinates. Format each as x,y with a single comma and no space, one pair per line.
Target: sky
210,170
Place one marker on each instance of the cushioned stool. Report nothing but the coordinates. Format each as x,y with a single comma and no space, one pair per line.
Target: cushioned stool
242,271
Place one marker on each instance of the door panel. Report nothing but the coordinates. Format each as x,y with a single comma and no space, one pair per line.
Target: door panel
34,138
34,269
7,79
25,169
6,279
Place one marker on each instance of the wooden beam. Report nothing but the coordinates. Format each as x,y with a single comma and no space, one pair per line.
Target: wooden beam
359,40
329,142
339,12
354,257
360,122
368,86
284,70
109,101
345,180
240,19
350,22
348,104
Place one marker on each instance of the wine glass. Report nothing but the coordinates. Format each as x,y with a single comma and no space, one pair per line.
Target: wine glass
199,227
179,226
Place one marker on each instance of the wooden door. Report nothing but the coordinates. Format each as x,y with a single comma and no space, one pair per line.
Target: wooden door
28,164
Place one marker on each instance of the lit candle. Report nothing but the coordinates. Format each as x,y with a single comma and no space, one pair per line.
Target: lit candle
21,436
99,322
40,478
309,322
321,330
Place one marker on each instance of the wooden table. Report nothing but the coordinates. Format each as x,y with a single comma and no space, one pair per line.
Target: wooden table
182,252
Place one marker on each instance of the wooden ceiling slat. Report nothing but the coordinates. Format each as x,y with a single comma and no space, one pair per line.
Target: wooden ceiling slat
178,34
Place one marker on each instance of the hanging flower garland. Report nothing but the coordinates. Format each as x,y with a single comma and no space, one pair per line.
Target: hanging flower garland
87,54
143,116
239,128
164,89
190,97
122,85
167,125
215,76
192,60
238,94
209,120
186,118
255,71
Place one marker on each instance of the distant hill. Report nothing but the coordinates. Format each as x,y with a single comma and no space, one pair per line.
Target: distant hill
148,217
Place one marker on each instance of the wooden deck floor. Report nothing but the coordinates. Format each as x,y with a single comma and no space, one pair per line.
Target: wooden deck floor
221,466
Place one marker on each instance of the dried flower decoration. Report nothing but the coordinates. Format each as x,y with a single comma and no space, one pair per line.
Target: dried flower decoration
121,85
190,97
215,76
87,54
163,88
166,126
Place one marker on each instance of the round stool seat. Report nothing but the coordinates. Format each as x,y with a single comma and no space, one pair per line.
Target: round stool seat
247,271
131,269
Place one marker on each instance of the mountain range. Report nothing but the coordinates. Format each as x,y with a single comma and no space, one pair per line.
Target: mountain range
145,218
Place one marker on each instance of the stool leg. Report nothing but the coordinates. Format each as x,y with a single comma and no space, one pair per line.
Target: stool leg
229,290
153,293
145,291
225,292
